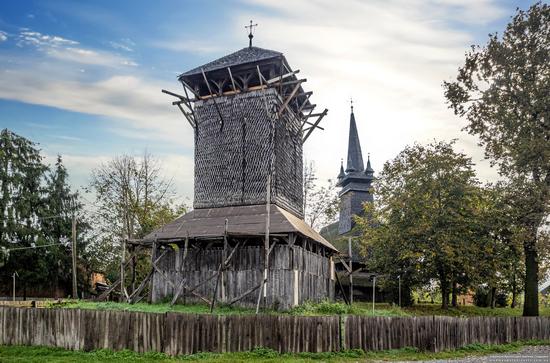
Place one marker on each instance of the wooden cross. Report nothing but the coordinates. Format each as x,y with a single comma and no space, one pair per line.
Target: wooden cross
250,35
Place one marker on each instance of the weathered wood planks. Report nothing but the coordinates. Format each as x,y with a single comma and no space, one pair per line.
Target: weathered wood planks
177,334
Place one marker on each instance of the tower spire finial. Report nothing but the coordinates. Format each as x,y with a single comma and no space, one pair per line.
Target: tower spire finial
351,103
250,35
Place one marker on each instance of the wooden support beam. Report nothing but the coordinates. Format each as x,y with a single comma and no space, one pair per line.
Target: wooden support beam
111,288
287,100
346,266
141,287
188,117
213,98
289,83
182,98
305,102
311,124
234,85
323,114
220,269
186,85
182,282
245,294
341,288
266,243
279,78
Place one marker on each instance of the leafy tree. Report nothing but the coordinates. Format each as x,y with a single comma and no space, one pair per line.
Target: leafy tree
500,259
419,226
321,203
502,91
132,199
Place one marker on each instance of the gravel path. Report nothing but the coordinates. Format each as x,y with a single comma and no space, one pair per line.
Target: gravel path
537,354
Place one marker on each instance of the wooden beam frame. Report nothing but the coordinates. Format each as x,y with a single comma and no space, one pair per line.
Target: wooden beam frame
315,124
280,78
213,98
289,98
190,116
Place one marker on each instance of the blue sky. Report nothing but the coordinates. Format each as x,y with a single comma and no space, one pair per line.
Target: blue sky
84,79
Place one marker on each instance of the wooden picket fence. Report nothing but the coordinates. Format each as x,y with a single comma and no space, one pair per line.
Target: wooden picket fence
177,334
437,333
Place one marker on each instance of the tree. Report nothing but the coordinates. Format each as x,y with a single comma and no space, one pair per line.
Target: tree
132,199
419,226
499,243
321,202
60,205
21,173
502,91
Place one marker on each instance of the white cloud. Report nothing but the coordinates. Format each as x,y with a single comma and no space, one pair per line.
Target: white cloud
124,44
88,56
43,40
3,36
67,50
392,57
189,46
133,103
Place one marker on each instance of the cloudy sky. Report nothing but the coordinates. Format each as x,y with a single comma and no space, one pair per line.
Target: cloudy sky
84,79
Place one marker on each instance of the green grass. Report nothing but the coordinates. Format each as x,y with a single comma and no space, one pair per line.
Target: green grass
465,311
152,308
44,354
307,309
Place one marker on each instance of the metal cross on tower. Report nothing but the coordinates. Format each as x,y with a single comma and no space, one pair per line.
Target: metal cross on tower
250,35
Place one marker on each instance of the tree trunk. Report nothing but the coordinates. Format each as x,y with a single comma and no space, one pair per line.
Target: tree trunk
514,291
531,303
493,298
454,293
444,294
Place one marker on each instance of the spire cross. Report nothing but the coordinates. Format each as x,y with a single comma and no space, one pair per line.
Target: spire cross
250,35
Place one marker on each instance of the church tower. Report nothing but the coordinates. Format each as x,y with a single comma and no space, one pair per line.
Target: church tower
355,181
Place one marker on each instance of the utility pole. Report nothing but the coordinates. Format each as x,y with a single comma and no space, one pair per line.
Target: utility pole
14,274
373,292
350,272
399,278
75,292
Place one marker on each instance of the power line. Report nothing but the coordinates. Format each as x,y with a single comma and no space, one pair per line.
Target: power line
33,247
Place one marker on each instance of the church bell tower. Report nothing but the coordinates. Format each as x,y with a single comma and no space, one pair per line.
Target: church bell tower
355,181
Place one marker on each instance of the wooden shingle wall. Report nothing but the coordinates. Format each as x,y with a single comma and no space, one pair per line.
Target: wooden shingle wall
233,158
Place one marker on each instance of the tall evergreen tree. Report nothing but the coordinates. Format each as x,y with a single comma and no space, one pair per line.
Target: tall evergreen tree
60,206
21,175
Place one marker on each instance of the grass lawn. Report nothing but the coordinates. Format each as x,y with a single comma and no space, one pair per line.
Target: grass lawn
308,309
43,354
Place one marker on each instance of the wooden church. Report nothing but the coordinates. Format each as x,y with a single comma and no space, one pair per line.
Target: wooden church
245,242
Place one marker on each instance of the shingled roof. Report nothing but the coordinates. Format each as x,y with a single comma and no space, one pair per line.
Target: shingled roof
355,156
241,221
243,56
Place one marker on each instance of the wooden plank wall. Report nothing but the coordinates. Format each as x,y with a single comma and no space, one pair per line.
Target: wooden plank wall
245,271
440,333
174,334
177,334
